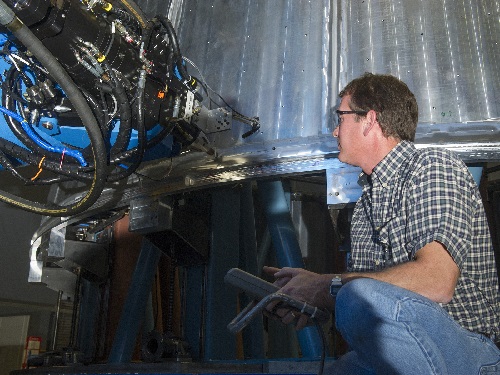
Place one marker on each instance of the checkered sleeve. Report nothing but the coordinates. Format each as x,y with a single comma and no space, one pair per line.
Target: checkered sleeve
442,205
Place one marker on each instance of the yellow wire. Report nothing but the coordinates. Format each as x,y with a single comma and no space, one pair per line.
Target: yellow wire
39,169
131,9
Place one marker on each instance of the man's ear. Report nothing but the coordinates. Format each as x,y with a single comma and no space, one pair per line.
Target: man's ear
371,122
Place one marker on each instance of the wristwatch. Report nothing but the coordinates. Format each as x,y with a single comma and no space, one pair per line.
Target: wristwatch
335,285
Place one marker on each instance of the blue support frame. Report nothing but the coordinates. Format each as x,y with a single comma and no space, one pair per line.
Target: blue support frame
220,343
134,308
288,253
253,336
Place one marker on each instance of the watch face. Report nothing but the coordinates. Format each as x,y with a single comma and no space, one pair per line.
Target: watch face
337,280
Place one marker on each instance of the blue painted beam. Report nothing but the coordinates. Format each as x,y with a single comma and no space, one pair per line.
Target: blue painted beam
134,308
220,343
288,254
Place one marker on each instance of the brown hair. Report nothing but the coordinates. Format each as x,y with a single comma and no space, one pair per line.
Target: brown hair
390,98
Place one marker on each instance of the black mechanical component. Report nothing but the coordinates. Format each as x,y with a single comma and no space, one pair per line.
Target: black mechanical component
102,40
158,347
130,76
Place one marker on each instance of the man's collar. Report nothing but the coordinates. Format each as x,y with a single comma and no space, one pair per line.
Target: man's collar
388,168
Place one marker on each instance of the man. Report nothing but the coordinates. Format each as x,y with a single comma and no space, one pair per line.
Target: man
421,294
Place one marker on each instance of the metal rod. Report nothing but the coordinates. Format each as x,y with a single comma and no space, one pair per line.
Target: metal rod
135,304
76,307
288,254
56,323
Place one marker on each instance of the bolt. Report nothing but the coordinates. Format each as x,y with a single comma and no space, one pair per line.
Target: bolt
48,125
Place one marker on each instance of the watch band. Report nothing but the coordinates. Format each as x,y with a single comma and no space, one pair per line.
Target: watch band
335,285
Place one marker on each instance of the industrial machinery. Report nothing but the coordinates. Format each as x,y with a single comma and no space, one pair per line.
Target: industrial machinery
92,111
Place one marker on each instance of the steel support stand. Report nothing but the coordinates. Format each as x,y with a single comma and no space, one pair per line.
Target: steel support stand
288,254
134,308
253,336
220,344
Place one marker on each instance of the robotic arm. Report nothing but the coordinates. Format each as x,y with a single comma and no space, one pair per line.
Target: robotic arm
89,88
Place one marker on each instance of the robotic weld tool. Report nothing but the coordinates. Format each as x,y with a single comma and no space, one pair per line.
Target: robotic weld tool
90,89
264,293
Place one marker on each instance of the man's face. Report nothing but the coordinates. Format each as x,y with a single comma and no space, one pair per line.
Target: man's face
349,134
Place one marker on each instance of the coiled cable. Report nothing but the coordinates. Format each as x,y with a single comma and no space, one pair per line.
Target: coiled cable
32,43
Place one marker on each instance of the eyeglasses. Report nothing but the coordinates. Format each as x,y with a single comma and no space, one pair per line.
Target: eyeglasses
340,113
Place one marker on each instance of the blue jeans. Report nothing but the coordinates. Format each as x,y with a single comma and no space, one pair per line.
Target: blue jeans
394,331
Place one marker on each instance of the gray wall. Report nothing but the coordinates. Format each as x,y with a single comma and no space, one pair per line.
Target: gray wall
16,229
17,296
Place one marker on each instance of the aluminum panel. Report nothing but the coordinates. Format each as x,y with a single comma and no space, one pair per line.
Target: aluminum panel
446,51
286,60
272,59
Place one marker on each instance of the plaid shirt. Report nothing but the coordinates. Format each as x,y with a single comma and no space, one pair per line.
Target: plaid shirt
414,197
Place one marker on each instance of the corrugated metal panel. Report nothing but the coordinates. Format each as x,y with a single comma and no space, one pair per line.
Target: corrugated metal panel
446,51
271,59
286,60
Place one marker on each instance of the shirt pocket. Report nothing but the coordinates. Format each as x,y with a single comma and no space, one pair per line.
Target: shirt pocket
393,241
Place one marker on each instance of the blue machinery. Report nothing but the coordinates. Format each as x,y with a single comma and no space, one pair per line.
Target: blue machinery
95,111
135,305
226,204
293,96
287,248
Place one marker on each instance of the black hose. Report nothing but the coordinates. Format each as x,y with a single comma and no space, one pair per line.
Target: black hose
138,153
8,101
175,46
76,172
105,117
123,137
35,46
11,94
136,11
7,165
99,112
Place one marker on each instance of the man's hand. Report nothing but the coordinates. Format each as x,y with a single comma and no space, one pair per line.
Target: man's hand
303,285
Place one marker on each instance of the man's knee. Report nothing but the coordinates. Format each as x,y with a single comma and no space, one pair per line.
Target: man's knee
362,303
357,291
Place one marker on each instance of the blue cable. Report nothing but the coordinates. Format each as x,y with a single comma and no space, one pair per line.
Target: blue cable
40,142
177,73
